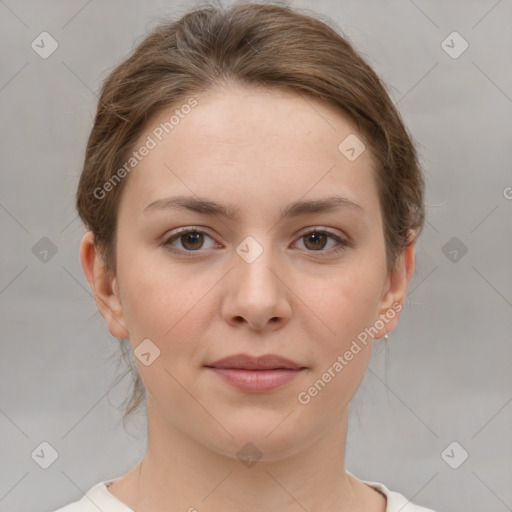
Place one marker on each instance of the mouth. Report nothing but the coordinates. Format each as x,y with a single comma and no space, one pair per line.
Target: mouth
256,374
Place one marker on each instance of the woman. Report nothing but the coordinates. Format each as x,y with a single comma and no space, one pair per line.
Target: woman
253,202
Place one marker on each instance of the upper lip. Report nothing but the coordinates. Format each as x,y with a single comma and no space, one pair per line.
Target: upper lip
248,362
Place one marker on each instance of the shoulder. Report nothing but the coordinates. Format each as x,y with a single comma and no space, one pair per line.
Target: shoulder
96,498
396,502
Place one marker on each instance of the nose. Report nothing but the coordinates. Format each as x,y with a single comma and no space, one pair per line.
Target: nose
256,294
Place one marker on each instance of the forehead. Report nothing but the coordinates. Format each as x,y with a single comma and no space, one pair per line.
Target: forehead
245,142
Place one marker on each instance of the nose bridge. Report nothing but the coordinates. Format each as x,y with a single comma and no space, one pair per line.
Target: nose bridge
256,292
255,259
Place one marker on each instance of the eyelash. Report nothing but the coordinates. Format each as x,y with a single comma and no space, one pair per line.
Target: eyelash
342,243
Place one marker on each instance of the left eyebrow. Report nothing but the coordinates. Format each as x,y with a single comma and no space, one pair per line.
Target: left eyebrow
207,207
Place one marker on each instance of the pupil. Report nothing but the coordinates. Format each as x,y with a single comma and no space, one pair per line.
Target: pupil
317,237
193,239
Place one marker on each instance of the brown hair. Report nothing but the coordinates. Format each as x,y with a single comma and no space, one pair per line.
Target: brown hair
260,45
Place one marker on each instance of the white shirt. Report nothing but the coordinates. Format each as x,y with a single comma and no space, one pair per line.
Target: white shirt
99,498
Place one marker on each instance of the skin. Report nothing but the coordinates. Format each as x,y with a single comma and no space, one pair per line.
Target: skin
258,150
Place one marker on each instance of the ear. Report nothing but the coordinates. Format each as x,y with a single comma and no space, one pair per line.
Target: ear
103,286
395,290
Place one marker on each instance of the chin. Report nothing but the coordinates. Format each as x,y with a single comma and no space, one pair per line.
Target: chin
261,440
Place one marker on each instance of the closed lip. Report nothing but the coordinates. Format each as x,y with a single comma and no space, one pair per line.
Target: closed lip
248,362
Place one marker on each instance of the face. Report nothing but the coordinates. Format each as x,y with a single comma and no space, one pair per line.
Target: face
301,282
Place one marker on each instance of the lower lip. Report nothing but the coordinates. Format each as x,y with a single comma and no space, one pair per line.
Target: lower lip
256,380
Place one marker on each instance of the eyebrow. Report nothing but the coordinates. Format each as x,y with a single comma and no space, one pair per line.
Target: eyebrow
209,207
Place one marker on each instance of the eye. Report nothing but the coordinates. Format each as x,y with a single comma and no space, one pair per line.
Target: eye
316,240
190,239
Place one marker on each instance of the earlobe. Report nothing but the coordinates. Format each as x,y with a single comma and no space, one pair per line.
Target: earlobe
397,286
103,286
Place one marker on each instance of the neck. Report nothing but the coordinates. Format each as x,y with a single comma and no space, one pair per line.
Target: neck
179,473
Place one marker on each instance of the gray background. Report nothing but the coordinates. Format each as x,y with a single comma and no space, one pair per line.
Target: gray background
449,372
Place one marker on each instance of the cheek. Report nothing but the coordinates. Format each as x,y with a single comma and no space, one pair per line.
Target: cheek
166,309
348,304
166,304
156,293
